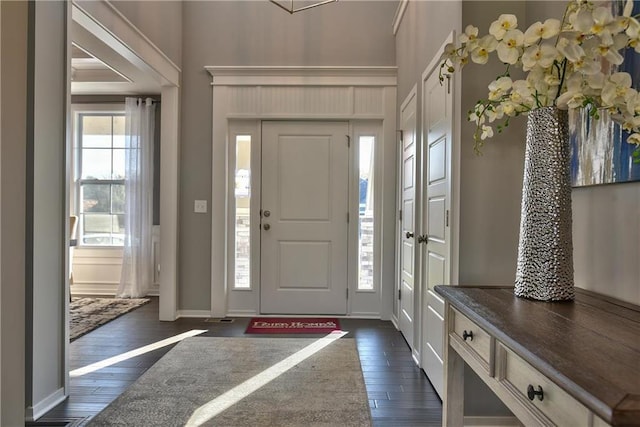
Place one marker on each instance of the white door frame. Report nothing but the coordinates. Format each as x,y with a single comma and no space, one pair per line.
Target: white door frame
108,25
297,93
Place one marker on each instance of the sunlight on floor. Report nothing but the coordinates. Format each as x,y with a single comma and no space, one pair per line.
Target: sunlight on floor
209,410
133,353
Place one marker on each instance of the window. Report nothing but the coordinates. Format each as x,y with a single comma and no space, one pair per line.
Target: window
366,233
242,243
100,166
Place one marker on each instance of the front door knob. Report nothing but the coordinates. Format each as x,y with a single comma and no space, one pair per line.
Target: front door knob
266,214
266,226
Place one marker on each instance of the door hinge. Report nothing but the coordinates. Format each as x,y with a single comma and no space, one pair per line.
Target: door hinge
399,294
400,215
347,217
260,213
448,83
401,135
347,293
446,220
348,141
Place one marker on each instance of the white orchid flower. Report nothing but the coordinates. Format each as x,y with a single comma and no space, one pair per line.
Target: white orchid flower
538,30
587,65
632,103
470,35
494,113
498,88
595,81
602,21
551,79
610,54
542,55
570,49
486,45
487,132
633,31
504,23
476,116
509,48
634,138
628,8
615,88
522,93
508,108
573,97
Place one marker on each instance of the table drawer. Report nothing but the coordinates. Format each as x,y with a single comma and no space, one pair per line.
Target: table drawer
536,398
471,338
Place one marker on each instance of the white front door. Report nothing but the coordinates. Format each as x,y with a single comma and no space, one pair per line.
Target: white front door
437,138
407,193
304,218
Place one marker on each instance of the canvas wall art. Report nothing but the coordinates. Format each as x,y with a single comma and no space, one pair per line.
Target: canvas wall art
600,152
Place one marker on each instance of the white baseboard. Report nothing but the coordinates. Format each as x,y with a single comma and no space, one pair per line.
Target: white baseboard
94,289
364,315
45,405
491,422
242,313
193,313
104,289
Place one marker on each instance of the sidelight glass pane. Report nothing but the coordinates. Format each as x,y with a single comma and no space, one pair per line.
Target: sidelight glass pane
243,212
365,218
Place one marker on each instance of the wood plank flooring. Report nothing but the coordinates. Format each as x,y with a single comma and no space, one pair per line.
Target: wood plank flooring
400,395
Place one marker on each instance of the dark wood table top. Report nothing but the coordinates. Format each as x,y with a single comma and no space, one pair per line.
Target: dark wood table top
590,347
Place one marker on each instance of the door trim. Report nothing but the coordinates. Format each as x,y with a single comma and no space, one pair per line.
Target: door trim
303,93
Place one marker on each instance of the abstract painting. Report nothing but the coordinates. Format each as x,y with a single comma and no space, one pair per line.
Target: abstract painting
600,153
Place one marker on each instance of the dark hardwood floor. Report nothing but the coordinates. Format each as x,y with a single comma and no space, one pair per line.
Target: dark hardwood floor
400,395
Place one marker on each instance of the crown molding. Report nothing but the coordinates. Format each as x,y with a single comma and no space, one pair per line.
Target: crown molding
303,75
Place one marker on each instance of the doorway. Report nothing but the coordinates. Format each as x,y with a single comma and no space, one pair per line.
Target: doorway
304,218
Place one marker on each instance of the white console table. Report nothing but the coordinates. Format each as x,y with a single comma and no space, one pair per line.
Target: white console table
564,363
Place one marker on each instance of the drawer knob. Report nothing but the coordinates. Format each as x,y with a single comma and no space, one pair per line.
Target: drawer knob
532,392
466,335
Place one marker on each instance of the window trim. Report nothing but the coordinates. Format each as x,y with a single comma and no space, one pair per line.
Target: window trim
76,181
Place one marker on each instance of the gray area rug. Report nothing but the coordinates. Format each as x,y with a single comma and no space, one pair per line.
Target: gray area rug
86,314
247,382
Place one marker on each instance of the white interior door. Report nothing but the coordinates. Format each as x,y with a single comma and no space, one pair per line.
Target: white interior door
407,242
438,132
304,218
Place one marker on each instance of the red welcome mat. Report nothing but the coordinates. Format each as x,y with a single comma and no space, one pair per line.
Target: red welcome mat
292,325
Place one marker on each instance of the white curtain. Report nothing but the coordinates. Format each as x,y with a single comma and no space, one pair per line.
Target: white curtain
137,263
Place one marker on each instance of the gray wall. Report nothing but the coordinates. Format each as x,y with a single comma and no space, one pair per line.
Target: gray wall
160,21
491,184
13,126
255,33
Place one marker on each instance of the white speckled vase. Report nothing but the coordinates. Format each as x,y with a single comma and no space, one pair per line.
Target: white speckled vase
545,248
